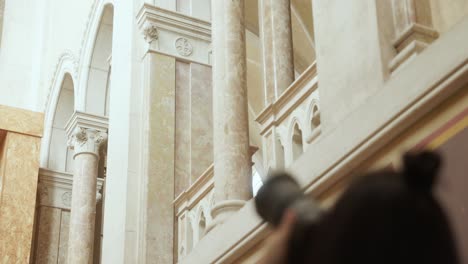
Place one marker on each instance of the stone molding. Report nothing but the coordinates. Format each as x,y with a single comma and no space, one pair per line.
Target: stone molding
55,188
67,64
161,27
299,90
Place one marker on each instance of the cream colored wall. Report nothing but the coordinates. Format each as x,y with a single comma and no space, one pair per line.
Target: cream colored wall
35,34
445,14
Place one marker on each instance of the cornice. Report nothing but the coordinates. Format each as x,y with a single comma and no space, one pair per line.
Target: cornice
175,34
55,188
87,121
174,21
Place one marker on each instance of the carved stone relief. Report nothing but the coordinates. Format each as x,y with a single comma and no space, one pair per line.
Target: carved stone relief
184,47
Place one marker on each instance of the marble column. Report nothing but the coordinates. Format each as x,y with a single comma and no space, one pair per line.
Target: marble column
232,165
277,46
86,143
413,27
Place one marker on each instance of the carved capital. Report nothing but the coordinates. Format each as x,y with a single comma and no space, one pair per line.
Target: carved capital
150,31
87,140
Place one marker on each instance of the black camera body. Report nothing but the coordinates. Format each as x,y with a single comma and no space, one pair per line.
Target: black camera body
279,194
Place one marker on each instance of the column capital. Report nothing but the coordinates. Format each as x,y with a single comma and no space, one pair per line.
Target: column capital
87,140
86,132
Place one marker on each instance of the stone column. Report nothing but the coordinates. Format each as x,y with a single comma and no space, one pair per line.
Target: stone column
86,142
414,29
276,37
232,165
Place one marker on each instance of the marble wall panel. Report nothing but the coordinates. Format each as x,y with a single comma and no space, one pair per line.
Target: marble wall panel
64,230
182,132
18,197
160,159
201,120
47,248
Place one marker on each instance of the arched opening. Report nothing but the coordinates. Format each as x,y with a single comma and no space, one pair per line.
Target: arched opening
256,181
201,226
315,118
297,143
97,88
279,154
60,156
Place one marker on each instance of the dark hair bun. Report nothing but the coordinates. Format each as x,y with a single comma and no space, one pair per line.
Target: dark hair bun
421,169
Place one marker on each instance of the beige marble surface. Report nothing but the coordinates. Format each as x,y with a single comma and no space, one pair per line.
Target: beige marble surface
83,206
266,36
277,47
182,131
18,197
232,166
83,209
64,232
21,121
48,235
160,159
201,121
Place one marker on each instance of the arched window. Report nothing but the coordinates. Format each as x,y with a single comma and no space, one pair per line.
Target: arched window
279,154
297,144
315,119
256,181
201,226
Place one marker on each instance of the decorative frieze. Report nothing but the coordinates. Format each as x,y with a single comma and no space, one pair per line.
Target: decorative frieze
191,37
55,188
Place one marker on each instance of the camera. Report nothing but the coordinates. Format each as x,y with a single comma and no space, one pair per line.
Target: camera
279,194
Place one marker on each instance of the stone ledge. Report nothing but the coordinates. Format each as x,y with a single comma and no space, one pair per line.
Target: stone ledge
21,121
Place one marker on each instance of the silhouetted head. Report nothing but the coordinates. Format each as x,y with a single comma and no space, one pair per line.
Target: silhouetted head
388,217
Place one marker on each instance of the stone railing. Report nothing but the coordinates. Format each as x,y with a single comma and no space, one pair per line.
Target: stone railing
292,123
193,212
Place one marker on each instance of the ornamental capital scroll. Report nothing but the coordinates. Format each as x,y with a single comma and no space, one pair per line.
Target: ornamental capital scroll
87,140
150,32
